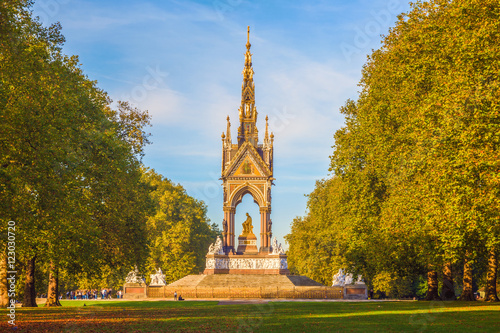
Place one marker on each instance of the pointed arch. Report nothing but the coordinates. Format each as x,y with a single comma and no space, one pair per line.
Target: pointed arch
243,189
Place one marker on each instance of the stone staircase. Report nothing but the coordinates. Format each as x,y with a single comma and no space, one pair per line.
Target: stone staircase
188,281
245,281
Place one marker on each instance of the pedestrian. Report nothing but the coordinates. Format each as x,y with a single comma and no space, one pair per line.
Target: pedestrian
175,295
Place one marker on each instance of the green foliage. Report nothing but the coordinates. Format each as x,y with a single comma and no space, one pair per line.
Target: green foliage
69,163
179,232
418,157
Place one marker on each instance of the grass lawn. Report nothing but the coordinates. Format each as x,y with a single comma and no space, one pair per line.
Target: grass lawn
208,316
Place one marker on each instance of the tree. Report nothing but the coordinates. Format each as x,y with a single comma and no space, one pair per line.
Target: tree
418,151
69,163
179,232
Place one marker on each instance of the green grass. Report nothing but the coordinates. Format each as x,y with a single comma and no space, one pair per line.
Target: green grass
200,316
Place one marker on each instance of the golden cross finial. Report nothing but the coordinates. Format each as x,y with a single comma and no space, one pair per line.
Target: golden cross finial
248,38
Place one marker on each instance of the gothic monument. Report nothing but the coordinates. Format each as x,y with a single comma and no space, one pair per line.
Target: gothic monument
247,168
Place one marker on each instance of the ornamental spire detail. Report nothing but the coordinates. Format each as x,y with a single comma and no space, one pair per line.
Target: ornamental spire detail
228,135
248,112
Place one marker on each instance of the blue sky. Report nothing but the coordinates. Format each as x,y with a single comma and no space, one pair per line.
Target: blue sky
182,61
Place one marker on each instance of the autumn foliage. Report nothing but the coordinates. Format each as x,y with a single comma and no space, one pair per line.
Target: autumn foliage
416,186
71,175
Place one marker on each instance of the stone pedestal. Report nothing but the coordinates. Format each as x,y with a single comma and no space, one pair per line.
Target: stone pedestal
355,291
247,244
247,264
134,290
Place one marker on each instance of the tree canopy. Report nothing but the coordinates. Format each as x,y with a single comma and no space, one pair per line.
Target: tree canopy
417,162
71,175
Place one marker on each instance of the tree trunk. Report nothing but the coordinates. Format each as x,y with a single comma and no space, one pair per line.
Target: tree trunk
29,300
4,289
491,278
432,286
53,292
448,290
467,292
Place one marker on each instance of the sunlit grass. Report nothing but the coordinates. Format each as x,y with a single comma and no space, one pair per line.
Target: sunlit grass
201,316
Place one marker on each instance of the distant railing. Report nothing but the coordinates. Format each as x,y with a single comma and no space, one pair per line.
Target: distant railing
262,292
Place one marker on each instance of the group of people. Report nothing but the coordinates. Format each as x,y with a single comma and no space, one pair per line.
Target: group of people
94,294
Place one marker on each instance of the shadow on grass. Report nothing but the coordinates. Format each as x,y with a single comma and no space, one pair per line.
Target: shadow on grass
195,316
138,304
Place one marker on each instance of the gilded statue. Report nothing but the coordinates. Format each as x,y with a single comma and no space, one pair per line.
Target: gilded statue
247,225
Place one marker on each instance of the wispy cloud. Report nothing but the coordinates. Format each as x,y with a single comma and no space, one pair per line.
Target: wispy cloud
301,76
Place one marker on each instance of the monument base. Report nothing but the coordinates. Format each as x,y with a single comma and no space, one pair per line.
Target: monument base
237,286
247,264
355,291
246,281
247,244
134,290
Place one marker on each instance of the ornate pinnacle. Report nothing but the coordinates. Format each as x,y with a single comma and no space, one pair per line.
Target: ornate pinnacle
247,93
266,134
247,130
228,131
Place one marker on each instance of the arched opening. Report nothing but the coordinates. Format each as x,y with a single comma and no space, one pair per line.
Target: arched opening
235,215
247,205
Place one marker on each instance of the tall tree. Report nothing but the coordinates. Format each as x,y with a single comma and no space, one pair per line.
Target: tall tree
70,164
179,232
419,151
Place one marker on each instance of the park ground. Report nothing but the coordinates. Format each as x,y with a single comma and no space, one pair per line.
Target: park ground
257,316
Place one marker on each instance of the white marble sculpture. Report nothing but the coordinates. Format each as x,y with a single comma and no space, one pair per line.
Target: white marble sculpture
280,249
134,277
342,278
339,278
276,248
360,280
348,279
158,279
216,248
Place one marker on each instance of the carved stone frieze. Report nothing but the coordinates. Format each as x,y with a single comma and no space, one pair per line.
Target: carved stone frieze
247,263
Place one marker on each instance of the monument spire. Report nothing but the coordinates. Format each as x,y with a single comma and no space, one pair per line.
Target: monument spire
247,167
248,112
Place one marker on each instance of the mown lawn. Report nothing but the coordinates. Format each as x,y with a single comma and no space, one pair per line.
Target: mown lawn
201,316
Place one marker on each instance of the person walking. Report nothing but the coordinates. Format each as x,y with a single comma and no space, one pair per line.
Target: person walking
175,296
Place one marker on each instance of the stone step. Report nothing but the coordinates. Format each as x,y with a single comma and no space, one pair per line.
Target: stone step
188,281
245,281
303,281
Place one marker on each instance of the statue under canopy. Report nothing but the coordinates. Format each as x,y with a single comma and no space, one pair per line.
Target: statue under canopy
247,226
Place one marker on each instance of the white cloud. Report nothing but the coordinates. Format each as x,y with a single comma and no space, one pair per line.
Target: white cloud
165,106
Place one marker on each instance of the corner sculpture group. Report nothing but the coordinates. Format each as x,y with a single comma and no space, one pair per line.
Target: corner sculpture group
341,279
157,279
